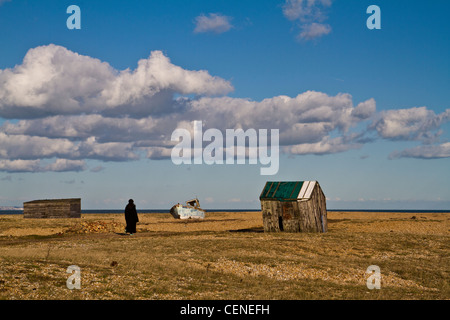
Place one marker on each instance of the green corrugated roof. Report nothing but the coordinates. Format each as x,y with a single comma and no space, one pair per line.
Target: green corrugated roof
281,191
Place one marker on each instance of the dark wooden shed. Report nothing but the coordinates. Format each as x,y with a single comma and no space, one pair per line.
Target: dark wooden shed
53,208
294,206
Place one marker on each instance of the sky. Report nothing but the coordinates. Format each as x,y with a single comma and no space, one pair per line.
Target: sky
90,112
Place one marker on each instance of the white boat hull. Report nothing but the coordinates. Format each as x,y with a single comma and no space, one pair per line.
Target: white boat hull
183,212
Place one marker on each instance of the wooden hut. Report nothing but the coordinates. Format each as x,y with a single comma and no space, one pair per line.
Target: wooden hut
57,208
298,206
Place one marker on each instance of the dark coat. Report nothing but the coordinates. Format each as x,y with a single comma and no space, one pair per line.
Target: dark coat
131,217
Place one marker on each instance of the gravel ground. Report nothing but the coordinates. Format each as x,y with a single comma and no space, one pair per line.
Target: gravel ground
220,253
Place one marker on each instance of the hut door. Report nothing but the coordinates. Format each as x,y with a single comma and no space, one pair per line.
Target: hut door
280,222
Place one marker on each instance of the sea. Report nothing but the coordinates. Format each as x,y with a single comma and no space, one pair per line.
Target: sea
150,211
105,211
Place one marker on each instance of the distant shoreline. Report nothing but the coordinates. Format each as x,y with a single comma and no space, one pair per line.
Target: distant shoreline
150,211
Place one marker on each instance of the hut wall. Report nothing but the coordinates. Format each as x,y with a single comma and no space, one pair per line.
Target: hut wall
60,208
314,212
280,216
270,216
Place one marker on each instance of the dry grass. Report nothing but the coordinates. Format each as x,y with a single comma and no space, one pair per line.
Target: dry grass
225,256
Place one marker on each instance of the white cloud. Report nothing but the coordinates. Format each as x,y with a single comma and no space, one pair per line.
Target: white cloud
305,10
414,124
157,73
326,146
214,23
424,152
306,118
309,16
81,127
365,109
109,151
111,115
158,152
306,122
314,30
15,147
53,81
19,165
419,124
61,165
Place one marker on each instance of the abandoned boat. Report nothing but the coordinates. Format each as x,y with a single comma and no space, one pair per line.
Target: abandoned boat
191,210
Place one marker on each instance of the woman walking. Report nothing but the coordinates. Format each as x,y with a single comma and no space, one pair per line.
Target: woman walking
131,217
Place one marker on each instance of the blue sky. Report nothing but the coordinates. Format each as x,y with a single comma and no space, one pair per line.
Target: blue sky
72,126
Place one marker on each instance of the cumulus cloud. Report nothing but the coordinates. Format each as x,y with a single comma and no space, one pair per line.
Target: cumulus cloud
424,152
15,147
24,147
326,146
308,15
365,109
20,165
74,107
411,124
53,80
213,23
111,115
414,124
81,127
109,151
61,165
306,118
305,10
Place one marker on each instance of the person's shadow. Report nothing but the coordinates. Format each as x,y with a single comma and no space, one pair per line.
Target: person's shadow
122,233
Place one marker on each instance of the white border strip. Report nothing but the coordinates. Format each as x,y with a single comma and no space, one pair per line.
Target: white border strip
310,189
303,190
306,190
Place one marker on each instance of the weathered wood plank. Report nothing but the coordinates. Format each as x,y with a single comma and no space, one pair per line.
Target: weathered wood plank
54,208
